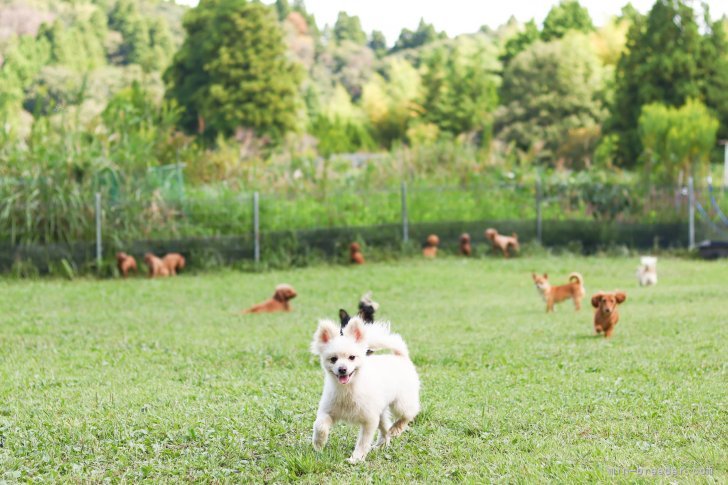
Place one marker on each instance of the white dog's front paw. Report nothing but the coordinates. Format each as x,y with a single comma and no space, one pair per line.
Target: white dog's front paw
355,459
383,441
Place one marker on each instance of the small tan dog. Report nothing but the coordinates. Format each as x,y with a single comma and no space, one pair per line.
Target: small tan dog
606,315
125,263
502,242
465,248
556,294
278,303
430,249
173,262
156,266
355,253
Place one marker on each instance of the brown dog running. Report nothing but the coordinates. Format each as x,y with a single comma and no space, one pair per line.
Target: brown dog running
430,249
502,242
606,315
125,263
173,262
556,294
465,248
279,302
156,266
355,253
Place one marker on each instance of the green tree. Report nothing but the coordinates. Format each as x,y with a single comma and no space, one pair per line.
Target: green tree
519,42
424,34
389,101
564,17
233,71
348,28
378,43
550,90
460,90
676,139
667,60
147,42
282,9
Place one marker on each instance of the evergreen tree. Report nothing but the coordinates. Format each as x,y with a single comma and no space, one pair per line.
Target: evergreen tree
349,28
567,15
233,71
520,42
459,92
378,43
667,61
282,9
424,34
548,90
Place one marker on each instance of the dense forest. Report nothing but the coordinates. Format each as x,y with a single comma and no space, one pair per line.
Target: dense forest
233,86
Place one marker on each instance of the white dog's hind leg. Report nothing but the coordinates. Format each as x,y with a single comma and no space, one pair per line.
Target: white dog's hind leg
366,436
385,422
321,431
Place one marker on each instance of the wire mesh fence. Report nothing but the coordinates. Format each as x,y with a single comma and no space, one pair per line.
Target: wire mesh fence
220,227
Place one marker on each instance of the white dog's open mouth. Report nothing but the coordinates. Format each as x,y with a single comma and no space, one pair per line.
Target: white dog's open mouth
345,379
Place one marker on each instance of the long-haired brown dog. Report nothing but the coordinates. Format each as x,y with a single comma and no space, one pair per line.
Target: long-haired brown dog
278,303
465,248
355,253
504,243
430,249
125,263
556,294
156,266
606,315
173,262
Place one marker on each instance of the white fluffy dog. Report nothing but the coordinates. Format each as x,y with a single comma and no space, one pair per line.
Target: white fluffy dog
647,271
364,389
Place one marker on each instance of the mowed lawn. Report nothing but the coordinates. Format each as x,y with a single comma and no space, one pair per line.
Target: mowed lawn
165,380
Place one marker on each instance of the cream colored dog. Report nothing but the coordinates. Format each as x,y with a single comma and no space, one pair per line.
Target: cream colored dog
647,271
362,389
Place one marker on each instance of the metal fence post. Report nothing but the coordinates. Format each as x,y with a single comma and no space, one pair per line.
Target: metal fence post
98,231
256,228
691,214
539,221
405,221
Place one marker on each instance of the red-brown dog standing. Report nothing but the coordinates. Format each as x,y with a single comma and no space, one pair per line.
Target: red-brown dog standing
606,315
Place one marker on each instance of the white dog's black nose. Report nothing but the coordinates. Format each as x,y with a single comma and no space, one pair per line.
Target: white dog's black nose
342,371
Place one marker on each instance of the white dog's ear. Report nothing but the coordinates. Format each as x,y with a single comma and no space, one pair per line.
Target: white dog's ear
326,331
355,329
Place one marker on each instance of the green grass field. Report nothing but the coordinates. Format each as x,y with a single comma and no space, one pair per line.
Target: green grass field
125,380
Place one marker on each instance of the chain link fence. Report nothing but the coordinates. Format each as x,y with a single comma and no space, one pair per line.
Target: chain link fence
216,228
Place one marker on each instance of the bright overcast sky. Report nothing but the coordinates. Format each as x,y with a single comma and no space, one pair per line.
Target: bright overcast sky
461,16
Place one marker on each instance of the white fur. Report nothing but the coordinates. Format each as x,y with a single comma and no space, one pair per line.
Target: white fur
373,389
646,275
647,271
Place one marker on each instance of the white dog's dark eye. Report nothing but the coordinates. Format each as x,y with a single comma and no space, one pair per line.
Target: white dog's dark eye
352,357
333,360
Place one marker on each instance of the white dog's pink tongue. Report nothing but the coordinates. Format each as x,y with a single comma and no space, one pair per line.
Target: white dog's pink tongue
344,379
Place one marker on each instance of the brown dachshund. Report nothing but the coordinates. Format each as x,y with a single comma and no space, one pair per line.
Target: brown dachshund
502,242
125,263
574,289
430,249
156,266
173,262
465,248
606,315
355,253
279,302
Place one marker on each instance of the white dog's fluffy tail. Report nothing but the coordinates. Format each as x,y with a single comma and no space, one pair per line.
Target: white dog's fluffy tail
379,337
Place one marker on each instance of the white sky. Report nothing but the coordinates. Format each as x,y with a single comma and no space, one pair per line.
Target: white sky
462,16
